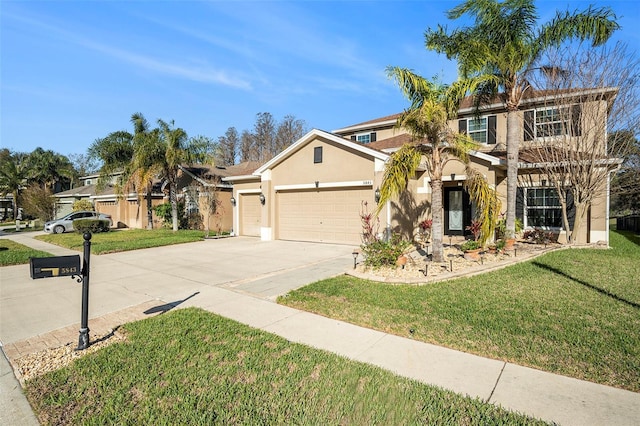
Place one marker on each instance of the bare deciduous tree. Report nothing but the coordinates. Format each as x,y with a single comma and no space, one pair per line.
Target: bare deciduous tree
227,147
592,97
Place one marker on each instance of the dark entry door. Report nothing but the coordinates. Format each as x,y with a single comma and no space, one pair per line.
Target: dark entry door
457,211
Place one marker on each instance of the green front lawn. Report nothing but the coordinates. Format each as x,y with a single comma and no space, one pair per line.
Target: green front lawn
191,367
574,312
12,253
124,240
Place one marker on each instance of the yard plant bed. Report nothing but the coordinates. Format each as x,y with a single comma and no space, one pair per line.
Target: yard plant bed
572,312
12,253
124,240
194,367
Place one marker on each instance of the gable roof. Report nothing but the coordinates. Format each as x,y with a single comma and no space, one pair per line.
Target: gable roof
325,135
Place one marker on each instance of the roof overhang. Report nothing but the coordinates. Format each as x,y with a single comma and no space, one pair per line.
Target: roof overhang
325,135
615,162
366,126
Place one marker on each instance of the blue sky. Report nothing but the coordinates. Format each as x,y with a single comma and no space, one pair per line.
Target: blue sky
74,71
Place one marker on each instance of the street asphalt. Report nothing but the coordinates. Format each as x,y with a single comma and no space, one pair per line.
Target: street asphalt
239,278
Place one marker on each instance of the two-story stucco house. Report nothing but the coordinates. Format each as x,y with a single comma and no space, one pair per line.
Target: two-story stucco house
315,189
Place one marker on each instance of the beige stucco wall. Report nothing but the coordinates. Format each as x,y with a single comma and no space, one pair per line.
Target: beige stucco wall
129,213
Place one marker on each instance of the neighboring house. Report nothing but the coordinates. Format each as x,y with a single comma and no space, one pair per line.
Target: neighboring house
130,210
199,184
315,189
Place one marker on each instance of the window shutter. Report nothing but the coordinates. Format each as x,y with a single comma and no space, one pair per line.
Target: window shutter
571,209
520,204
373,137
462,125
576,120
529,125
491,129
353,138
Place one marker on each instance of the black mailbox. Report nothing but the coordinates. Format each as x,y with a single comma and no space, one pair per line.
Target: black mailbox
59,266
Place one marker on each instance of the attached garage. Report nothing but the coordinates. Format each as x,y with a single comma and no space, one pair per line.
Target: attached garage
328,215
250,214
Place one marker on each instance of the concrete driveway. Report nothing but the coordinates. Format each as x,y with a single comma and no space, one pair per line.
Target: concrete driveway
171,274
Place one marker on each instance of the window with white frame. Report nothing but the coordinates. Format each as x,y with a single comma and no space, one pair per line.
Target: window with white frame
551,122
543,208
477,129
480,129
364,138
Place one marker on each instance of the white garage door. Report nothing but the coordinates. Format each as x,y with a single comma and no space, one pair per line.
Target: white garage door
325,215
250,214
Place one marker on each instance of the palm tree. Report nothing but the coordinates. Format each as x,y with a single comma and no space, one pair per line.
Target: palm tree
49,168
432,106
14,172
503,47
174,150
144,168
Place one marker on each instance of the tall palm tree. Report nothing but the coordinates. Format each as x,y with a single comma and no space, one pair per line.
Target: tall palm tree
144,168
171,151
49,169
14,172
503,47
432,106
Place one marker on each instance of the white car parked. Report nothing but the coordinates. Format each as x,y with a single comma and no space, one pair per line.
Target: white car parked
65,224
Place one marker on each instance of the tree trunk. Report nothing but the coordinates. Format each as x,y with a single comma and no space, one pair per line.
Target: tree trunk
437,224
149,211
581,211
149,205
173,198
514,133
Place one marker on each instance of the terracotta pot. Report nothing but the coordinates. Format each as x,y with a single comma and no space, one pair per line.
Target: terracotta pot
509,242
472,254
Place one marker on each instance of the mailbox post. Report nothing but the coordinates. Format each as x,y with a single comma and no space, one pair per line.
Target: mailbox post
60,266
83,339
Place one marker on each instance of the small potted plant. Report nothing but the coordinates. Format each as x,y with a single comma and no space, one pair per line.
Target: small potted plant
471,249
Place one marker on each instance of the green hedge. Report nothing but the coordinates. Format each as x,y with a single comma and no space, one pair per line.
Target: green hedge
90,225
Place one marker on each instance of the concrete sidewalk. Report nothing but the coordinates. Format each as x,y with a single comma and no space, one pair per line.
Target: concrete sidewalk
539,394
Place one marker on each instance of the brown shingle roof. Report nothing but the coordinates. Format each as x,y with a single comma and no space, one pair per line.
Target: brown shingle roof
389,143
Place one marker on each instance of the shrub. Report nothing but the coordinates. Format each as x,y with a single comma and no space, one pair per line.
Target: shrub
470,245
164,211
475,228
370,224
538,236
90,225
384,253
81,205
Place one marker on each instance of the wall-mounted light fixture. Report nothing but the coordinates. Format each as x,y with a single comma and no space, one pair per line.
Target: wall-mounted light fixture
453,177
233,201
262,198
317,183
376,195
544,182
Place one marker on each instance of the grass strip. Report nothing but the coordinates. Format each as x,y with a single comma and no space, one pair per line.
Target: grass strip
573,312
193,367
124,240
12,253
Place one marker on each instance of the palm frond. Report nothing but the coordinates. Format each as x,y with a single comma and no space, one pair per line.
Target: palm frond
402,165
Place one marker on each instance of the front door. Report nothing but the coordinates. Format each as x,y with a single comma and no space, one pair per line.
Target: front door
457,211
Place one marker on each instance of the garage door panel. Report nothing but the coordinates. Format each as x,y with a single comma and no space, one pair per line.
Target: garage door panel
250,215
323,215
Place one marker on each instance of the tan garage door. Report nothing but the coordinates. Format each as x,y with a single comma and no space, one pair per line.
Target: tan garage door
325,215
250,214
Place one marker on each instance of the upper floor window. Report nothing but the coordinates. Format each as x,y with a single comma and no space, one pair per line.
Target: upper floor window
364,137
552,121
317,154
480,129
